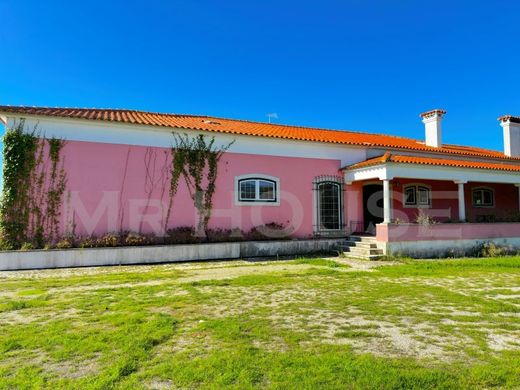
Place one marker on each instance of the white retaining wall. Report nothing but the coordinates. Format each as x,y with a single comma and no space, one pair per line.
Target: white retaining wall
88,257
442,248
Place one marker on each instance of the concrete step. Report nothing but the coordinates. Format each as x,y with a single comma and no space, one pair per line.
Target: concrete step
361,247
363,251
359,244
371,257
369,239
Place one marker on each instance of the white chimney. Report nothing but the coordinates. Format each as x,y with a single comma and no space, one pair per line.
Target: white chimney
511,126
432,126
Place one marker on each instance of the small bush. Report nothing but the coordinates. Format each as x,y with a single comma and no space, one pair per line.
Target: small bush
181,235
490,249
513,217
65,243
424,219
175,236
88,242
27,246
136,239
270,231
224,235
108,240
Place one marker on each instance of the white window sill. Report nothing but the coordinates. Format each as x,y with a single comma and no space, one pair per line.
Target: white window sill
242,203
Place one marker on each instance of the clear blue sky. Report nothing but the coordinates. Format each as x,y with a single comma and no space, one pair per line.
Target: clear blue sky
361,65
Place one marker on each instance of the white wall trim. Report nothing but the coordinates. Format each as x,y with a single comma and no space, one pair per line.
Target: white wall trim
389,171
145,135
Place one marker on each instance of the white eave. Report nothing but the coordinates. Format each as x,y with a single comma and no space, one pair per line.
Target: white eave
391,170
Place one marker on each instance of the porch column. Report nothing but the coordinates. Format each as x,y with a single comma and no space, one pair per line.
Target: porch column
462,202
387,202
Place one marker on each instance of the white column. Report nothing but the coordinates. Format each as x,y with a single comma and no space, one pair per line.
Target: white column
387,202
462,202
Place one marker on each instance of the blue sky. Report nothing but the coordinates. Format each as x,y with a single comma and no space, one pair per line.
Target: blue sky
360,65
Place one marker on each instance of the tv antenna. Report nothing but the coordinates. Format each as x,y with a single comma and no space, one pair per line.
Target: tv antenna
272,115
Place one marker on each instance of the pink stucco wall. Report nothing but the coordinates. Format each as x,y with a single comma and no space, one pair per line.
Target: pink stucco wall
444,200
115,187
445,205
354,206
449,231
506,201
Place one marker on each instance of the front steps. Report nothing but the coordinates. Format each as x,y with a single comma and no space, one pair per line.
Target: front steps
361,247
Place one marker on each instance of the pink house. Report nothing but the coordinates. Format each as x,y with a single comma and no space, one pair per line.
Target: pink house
317,182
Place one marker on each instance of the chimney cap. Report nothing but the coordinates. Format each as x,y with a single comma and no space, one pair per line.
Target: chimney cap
509,118
432,113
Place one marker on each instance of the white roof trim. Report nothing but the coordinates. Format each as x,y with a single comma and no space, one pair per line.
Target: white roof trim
389,171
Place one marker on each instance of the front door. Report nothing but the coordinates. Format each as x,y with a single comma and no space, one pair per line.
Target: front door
372,206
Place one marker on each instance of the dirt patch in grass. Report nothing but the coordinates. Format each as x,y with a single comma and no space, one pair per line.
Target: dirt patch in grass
160,384
72,369
234,272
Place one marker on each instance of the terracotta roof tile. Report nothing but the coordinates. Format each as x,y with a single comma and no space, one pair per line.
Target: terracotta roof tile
391,158
241,127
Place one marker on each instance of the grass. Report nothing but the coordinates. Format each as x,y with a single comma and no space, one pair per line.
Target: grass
307,323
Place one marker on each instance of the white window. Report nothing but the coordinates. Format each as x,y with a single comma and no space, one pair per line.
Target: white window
416,195
257,190
483,197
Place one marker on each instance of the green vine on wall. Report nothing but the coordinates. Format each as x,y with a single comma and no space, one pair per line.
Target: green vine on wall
34,185
196,160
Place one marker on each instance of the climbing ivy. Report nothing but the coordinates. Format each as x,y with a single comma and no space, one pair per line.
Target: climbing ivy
19,161
196,160
34,184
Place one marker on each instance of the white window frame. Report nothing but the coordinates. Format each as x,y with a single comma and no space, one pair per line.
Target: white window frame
416,187
482,189
256,176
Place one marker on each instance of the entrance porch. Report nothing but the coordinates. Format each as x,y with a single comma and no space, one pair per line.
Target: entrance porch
436,207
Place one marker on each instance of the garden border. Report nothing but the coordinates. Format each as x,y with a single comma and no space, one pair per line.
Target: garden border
156,254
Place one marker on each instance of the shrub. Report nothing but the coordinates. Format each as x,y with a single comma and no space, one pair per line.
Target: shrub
27,246
181,235
513,217
108,240
88,242
490,249
270,231
487,218
424,219
224,235
136,239
65,243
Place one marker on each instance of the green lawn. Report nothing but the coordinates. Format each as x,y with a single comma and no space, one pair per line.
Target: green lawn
299,324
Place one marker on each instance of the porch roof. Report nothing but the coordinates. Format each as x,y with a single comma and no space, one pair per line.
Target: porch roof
391,165
400,159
